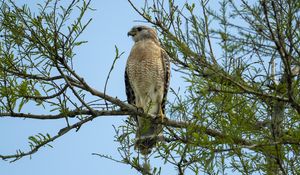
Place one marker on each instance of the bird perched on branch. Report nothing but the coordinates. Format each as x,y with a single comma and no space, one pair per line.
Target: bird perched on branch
147,77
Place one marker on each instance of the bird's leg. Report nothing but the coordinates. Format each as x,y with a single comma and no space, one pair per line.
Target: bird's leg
139,109
161,115
159,119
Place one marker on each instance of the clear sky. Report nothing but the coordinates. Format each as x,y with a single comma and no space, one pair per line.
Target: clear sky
72,154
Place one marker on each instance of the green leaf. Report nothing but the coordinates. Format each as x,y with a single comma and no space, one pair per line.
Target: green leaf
33,139
23,88
23,101
79,43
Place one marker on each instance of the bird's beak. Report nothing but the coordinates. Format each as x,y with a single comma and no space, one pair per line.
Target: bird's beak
131,33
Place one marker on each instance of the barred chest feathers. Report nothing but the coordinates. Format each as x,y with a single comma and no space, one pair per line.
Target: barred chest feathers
146,69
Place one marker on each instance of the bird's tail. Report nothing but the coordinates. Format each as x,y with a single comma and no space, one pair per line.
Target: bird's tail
145,144
147,135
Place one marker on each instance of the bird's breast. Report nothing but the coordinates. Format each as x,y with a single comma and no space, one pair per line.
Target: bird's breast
145,67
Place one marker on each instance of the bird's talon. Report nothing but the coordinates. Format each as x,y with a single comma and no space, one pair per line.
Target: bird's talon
159,118
140,110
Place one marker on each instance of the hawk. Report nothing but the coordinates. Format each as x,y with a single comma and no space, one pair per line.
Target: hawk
147,76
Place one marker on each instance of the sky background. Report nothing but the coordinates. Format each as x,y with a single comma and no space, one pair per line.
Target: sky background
72,153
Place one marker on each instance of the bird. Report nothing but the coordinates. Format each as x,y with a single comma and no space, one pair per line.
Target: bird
147,78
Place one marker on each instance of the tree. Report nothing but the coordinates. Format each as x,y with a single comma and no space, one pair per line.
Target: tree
240,111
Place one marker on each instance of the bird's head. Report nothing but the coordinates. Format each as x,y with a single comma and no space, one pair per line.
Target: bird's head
140,32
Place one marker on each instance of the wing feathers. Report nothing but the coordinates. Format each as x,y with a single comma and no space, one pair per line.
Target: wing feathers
166,64
129,90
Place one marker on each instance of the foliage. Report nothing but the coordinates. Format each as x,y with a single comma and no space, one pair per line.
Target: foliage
241,60
240,111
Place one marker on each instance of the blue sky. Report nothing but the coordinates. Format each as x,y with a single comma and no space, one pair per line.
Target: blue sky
71,154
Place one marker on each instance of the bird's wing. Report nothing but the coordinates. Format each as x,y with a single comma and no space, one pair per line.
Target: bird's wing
166,64
129,92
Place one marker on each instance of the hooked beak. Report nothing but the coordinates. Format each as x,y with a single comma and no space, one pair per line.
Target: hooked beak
131,33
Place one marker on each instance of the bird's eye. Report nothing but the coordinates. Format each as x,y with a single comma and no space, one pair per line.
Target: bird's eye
139,29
